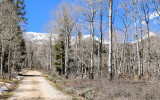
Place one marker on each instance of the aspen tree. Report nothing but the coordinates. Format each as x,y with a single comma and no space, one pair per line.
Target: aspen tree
110,39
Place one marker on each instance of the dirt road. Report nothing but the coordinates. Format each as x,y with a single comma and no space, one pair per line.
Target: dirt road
35,87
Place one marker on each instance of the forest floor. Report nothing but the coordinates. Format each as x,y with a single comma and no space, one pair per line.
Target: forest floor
35,87
8,86
117,89
125,88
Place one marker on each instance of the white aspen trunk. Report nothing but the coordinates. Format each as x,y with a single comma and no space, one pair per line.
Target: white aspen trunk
82,59
110,39
141,31
124,50
142,71
66,54
120,65
98,59
85,71
146,16
148,48
130,60
76,56
50,56
92,48
2,54
139,63
116,60
13,66
9,54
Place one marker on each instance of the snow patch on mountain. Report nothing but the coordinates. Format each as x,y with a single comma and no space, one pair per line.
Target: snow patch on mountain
40,37
35,36
151,34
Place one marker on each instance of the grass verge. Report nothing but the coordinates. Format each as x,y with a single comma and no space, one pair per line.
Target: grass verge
59,82
10,92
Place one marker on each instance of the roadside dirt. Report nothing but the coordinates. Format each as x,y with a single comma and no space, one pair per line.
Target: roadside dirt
35,87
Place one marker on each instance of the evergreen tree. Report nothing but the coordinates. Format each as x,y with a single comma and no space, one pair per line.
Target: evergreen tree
12,44
20,7
59,51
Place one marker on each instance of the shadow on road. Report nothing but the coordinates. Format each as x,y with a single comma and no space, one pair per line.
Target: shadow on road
29,75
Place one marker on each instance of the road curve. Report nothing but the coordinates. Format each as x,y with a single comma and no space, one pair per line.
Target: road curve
35,87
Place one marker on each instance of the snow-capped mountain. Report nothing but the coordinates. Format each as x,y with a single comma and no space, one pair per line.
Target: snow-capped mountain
33,36
40,37
151,34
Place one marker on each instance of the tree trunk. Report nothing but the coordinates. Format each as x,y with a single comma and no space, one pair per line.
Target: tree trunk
82,61
92,48
110,39
50,56
100,53
13,66
99,70
9,55
2,58
66,55
139,63
142,71
149,53
76,56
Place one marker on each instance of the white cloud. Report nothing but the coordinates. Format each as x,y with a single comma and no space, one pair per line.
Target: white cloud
153,15
143,22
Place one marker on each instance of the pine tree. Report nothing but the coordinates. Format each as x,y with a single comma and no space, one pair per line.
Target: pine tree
20,7
59,51
12,19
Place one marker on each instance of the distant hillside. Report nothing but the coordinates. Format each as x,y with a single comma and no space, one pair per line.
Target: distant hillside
151,34
42,37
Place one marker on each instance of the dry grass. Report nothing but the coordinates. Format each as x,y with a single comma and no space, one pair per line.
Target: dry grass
124,88
11,88
60,84
117,89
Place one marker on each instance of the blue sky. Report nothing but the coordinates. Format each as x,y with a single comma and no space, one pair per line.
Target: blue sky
38,13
